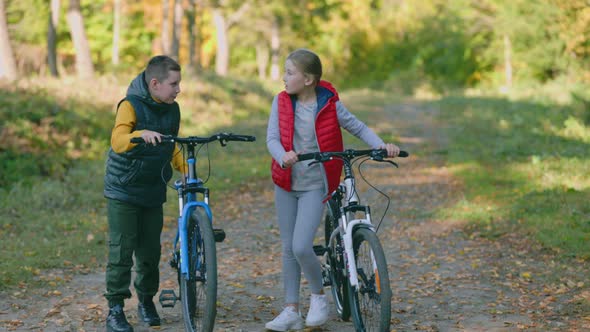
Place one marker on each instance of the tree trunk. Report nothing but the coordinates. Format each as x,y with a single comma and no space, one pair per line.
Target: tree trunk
508,61
194,28
275,43
222,26
7,62
52,38
116,31
84,66
165,27
222,52
177,29
262,59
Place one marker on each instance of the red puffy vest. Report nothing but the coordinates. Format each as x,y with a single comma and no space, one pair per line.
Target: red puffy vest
328,134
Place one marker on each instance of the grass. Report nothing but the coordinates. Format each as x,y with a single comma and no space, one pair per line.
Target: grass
52,223
525,166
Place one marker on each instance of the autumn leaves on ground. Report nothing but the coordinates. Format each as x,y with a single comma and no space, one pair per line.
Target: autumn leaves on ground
445,275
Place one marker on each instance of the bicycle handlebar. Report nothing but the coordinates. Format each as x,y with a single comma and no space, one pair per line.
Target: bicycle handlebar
223,138
349,154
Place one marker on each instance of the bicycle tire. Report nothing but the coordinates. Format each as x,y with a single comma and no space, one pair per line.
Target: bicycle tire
198,294
335,260
371,302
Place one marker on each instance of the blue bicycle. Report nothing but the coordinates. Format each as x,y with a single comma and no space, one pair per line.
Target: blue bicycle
194,255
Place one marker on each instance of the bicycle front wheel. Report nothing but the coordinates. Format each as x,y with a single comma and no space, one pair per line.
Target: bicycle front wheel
370,302
198,293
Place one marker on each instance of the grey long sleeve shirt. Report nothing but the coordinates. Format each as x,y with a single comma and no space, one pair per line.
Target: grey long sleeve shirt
303,177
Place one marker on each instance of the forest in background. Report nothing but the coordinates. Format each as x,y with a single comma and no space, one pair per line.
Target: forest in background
448,44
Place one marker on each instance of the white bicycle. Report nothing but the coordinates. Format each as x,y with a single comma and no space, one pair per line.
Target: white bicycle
354,264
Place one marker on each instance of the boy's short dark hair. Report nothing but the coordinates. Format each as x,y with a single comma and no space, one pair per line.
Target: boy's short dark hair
158,68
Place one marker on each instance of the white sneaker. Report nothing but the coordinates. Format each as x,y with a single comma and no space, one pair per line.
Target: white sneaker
288,319
318,310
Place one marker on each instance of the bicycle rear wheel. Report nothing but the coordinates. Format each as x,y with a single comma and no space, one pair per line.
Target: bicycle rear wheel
335,260
199,293
371,302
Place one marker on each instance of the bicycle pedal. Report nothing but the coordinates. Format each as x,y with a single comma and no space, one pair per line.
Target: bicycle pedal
168,298
218,234
319,250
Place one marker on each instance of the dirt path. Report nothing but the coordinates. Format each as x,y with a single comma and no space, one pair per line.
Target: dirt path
443,278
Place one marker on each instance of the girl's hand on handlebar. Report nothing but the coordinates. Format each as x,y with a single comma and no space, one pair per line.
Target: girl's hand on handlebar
289,158
392,150
151,137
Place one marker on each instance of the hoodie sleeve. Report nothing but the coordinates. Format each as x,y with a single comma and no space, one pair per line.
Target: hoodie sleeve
356,127
178,161
123,132
273,136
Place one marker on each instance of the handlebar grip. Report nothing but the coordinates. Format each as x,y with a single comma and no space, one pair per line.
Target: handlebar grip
403,154
245,138
306,156
163,139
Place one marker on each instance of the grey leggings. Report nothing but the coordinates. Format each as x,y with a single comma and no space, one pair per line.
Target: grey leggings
299,214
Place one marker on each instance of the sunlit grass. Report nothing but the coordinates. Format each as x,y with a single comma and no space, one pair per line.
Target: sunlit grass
525,164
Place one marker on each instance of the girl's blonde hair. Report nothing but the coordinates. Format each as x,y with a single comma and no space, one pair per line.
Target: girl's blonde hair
308,62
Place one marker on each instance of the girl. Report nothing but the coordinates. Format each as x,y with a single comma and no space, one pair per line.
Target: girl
306,117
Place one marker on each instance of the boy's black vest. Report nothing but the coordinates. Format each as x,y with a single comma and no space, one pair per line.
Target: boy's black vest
139,176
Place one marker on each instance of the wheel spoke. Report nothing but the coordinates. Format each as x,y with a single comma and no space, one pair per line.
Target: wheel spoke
371,301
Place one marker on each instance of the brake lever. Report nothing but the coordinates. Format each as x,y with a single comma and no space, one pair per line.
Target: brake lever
323,159
388,161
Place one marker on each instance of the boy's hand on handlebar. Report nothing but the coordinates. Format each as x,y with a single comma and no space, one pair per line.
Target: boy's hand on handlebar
289,158
392,150
151,137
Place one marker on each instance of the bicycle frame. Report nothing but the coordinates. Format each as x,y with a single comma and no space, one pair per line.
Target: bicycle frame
192,186
346,226
364,284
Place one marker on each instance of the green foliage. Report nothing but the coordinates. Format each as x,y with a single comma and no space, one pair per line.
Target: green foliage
524,163
447,44
434,40
43,136
28,25
533,29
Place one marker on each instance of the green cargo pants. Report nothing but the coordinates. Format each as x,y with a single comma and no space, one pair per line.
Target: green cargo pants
133,229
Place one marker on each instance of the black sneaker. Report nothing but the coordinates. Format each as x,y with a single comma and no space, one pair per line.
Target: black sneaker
148,314
116,320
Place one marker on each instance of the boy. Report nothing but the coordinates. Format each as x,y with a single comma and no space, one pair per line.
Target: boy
135,188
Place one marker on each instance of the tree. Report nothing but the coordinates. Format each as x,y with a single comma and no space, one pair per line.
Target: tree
165,27
194,18
222,26
275,43
84,65
116,31
177,28
7,63
52,38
